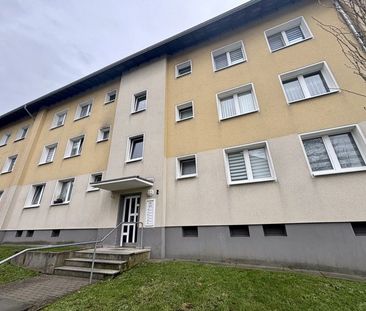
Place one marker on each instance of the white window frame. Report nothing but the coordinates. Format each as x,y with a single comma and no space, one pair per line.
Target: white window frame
183,106
31,193
107,99
234,92
69,146
6,167
101,131
358,137
45,154
282,28
245,149
134,99
20,135
55,119
227,49
177,67
299,74
58,189
80,107
5,139
178,166
129,146
91,180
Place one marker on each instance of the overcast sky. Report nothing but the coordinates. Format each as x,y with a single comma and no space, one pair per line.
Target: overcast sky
45,44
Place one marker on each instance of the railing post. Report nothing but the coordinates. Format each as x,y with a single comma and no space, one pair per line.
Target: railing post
92,265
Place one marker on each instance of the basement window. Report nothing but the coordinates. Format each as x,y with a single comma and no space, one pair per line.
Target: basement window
29,233
274,230
191,231
239,231
359,228
55,233
18,233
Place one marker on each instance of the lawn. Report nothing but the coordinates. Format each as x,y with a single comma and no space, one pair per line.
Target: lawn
184,286
10,273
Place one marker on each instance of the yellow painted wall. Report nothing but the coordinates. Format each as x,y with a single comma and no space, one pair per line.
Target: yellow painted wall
276,118
94,156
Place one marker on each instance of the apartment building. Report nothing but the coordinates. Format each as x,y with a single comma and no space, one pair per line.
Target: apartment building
234,140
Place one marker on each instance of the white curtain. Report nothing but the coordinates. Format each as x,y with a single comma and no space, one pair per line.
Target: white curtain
346,150
259,163
315,84
317,154
246,102
227,107
293,90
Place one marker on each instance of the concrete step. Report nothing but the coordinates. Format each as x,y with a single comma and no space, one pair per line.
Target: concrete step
113,253
98,263
98,274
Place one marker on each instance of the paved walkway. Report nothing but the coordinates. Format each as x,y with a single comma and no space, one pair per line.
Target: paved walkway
33,293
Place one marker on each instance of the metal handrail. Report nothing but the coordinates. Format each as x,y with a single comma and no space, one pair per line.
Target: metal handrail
95,242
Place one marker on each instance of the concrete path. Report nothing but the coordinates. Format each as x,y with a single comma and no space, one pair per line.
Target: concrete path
33,293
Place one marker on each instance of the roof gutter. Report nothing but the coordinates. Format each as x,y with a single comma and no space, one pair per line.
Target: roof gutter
27,111
350,24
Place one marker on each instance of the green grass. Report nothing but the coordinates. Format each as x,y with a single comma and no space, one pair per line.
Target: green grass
184,286
10,273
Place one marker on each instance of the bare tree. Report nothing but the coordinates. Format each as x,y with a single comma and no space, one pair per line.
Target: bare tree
351,36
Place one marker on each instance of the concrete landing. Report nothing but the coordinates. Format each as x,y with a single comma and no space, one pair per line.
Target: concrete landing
34,293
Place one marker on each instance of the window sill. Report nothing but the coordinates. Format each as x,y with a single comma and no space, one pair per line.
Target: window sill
77,119
343,171
138,111
234,183
187,176
7,172
185,119
31,206
19,139
291,44
60,204
239,115
44,163
92,190
3,145
102,140
232,65
184,74
73,156
134,160
56,127
311,97
109,102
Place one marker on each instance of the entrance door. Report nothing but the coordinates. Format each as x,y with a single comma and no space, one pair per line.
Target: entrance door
131,207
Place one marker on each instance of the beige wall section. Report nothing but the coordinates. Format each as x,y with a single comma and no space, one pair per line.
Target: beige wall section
296,197
151,78
276,118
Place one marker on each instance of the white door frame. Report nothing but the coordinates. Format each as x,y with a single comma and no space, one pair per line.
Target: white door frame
129,231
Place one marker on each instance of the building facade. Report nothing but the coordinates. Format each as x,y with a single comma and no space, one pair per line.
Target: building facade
238,139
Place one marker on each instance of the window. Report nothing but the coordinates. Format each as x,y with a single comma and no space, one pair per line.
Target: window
308,82
74,147
83,110
35,196
136,148
29,233
63,192
191,231
229,55
18,233
359,228
236,102
48,154
22,133
239,231
94,178
9,164
55,233
247,164
103,134
186,167
274,230
287,34
59,119
335,151
110,96
184,112
4,139
140,102
183,69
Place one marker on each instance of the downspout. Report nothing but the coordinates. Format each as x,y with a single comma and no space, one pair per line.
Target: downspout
349,23
25,108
